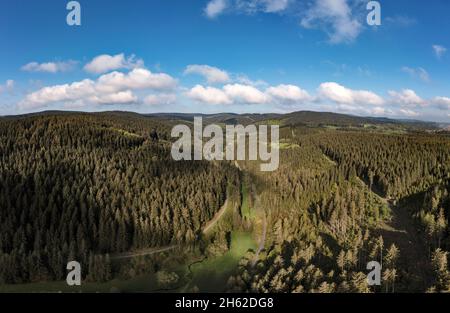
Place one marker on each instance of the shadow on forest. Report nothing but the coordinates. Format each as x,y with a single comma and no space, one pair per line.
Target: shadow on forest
403,231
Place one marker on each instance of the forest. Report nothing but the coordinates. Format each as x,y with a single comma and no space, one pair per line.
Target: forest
93,187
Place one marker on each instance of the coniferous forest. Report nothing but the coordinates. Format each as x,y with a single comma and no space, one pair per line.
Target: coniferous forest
103,189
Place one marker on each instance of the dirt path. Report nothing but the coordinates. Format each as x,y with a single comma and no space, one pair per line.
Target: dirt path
150,251
216,218
142,252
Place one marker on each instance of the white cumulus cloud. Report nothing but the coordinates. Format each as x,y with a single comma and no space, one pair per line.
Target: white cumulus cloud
443,103
249,94
208,95
112,88
106,63
345,96
138,78
408,113
212,74
215,7
406,98
160,99
334,17
245,94
229,94
288,93
121,97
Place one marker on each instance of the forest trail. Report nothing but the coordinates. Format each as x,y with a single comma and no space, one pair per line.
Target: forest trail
142,252
209,225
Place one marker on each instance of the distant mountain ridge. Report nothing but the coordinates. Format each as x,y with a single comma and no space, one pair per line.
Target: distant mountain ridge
306,118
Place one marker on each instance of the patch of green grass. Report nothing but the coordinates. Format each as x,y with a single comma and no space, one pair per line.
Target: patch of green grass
212,274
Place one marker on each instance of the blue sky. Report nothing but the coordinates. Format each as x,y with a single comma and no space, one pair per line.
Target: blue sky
227,56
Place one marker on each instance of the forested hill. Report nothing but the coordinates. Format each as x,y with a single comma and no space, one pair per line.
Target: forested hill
306,118
82,186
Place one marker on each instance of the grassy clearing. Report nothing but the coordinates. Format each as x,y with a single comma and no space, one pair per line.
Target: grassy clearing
212,274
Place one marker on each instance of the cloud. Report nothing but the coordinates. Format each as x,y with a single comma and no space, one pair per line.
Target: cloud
407,98
248,94
419,72
49,67
408,113
59,93
212,74
245,94
121,97
135,79
335,18
288,94
229,94
215,7
345,96
208,95
243,79
8,86
378,111
106,63
443,103
266,6
439,50
160,99
112,88
272,6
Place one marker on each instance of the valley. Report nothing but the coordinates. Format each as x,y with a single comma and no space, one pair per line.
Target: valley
99,189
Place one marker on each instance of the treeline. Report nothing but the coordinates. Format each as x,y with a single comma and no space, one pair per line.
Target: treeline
82,187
